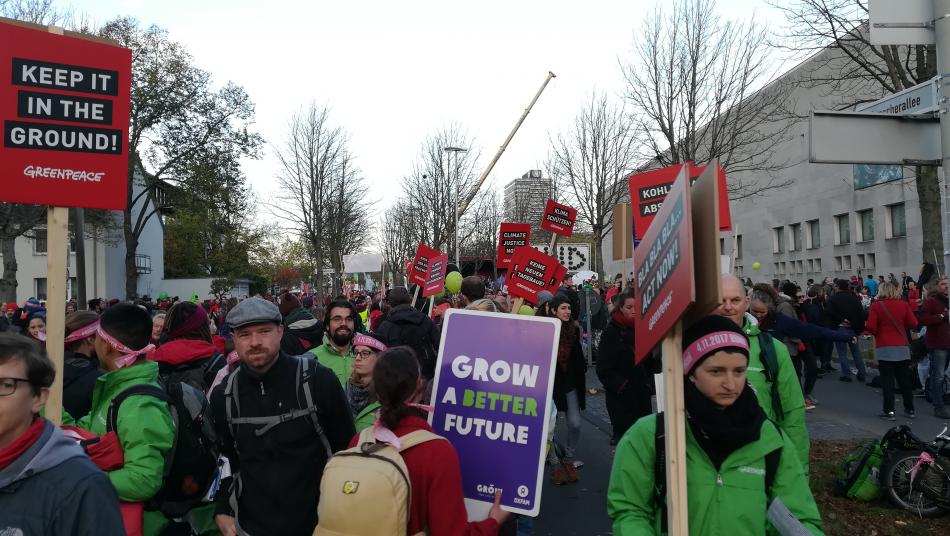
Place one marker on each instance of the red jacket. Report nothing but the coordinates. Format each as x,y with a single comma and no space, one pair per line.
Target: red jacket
938,329
436,478
913,298
884,331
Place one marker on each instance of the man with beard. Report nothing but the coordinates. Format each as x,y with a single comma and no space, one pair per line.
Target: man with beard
279,418
336,352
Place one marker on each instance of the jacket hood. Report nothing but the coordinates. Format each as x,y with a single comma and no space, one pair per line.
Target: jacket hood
181,351
405,313
751,325
50,450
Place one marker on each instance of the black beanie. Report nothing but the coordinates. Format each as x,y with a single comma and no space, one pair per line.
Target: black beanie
709,335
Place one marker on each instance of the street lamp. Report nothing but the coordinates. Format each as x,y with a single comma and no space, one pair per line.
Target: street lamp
455,150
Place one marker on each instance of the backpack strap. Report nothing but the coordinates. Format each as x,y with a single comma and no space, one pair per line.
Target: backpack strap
231,400
659,470
770,363
304,367
112,417
416,437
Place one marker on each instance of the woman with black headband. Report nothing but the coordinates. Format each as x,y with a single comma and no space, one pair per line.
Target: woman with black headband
186,353
737,462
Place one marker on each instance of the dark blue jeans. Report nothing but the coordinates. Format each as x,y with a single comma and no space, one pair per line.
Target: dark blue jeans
938,365
842,347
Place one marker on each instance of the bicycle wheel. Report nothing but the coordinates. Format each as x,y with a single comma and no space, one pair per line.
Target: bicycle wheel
930,496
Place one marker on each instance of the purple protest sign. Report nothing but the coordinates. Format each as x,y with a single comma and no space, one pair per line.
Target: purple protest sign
492,398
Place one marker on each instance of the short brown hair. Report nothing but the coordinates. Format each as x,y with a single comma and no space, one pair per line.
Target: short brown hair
39,369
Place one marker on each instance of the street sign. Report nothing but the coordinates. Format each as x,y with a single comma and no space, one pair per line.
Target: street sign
511,236
872,138
64,106
558,218
901,22
664,269
917,100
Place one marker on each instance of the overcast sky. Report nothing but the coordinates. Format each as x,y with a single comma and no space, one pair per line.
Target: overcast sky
394,71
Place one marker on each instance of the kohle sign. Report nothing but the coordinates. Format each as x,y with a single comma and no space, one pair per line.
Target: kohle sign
64,104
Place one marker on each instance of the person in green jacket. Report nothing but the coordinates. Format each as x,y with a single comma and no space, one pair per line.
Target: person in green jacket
336,352
790,417
359,386
729,442
144,423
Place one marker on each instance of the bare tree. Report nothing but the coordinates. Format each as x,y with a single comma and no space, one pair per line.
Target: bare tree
856,71
692,87
590,161
478,231
399,236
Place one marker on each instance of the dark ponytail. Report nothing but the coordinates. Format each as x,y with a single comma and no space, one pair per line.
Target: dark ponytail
395,377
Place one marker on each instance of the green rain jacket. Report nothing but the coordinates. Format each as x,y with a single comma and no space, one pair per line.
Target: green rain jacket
731,501
145,429
340,364
792,422
366,417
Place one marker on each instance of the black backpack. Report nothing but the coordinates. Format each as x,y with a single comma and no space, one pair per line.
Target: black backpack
416,336
192,463
772,460
770,363
199,373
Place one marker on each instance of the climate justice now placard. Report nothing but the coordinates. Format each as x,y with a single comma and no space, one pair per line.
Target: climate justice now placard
64,105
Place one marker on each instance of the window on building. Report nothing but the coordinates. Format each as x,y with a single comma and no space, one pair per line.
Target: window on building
39,288
847,262
872,257
896,221
722,245
778,240
39,242
739,246
801,266
817,266
861,261
838,264
796,237
842,229
813,234
866,225
811,265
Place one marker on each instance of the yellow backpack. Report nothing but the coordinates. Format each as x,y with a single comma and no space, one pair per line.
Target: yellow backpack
365,490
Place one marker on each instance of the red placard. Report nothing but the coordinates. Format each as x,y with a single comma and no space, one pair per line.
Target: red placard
558,218
531,272
648,190
665,287
419,272
511,237
64,105
436,278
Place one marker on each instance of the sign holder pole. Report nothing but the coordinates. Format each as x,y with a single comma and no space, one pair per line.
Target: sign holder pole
516,305
675,424
432,306
415,296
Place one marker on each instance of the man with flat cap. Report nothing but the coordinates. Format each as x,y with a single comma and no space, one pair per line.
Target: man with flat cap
279,419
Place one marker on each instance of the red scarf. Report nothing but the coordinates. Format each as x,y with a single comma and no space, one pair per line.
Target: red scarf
622,319
24,442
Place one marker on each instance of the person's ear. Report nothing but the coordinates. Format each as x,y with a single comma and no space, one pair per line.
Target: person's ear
39,400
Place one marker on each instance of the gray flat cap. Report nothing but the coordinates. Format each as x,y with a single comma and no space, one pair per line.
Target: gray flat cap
253,311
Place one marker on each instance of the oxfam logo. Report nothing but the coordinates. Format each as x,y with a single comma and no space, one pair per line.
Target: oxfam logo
523,491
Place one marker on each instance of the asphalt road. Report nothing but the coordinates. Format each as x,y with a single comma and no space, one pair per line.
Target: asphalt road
845,411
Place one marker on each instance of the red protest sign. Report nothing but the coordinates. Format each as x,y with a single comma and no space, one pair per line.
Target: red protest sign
665,287
419,272
436,278
558,218
511,237
531,272
64,104
649,189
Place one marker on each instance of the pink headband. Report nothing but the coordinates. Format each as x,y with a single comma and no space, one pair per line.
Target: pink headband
128,355
709,343
195,321
366,340
89,330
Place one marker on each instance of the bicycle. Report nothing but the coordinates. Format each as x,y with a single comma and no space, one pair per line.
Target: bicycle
915,478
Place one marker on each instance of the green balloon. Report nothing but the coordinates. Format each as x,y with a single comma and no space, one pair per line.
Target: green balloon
453,282
163,295
526,310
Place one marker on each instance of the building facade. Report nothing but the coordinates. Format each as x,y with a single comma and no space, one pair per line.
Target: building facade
826,219
526,197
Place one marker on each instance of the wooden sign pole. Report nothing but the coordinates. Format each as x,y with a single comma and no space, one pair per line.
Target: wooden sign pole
675,425
432,306
516,305
415,296
57,231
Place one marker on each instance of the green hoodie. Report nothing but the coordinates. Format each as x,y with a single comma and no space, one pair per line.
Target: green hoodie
145,429
340,364
367,417
731,501
789,391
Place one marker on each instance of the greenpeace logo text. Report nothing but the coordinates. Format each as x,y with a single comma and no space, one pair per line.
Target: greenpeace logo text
39,172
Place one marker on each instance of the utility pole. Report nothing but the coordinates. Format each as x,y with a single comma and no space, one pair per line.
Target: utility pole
941,26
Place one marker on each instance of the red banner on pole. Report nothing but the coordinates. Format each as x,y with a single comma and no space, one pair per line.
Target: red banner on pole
533,271
419,271
649,189
436,278
64,105
665,287
511,237
558,218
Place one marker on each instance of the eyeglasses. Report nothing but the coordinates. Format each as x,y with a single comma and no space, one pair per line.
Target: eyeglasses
8,385
364,354
341,319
